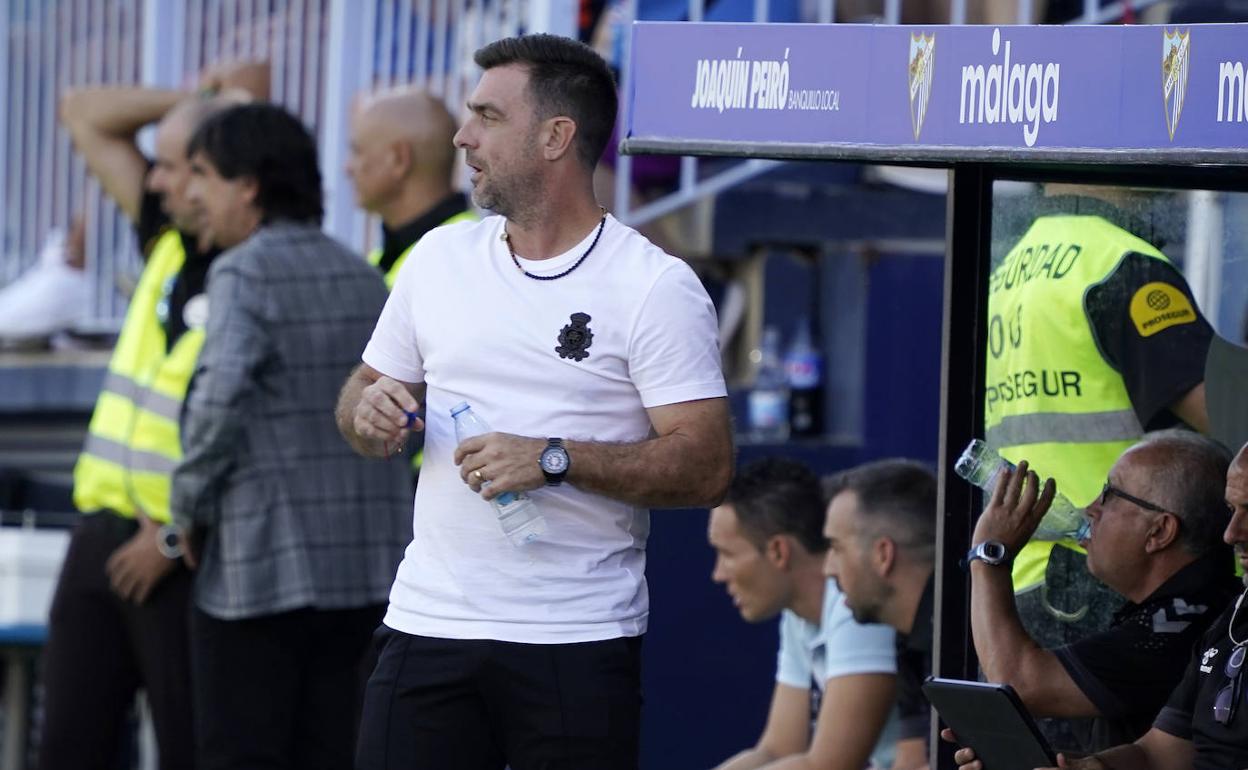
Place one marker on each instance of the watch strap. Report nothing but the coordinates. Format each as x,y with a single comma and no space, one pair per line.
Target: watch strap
554,479
990,552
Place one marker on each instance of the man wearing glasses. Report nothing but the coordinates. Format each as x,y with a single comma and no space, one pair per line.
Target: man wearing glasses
1204,725
1155,539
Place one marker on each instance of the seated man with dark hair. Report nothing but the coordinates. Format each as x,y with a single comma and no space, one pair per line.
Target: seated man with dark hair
881,530
769,555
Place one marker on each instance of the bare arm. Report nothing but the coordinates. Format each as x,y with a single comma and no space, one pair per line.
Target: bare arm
851,717
103,123
787,731
1007,654
1155,750
688,462
911,754
1192,410
372,411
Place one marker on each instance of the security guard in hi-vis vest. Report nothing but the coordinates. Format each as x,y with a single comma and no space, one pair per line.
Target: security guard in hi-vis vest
1093,338
402,166
119,615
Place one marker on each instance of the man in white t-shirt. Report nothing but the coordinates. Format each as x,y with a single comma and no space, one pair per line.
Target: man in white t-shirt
770,548
594,356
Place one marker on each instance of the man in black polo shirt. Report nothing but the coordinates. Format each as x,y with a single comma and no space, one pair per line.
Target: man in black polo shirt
1156,540
402,167
1204,725
881,530
402,163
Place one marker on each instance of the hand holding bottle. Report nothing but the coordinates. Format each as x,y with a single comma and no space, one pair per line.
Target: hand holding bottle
518,516
983,467
1018,504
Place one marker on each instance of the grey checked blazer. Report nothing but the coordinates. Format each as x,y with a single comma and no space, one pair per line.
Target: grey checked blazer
292,516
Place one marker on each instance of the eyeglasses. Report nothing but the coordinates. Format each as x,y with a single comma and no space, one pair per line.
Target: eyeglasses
1110,489
1230,694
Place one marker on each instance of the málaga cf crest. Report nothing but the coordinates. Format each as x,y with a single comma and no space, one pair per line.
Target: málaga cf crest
922,49
1176,50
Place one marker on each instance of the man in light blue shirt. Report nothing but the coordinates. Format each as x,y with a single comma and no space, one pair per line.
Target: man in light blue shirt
830,670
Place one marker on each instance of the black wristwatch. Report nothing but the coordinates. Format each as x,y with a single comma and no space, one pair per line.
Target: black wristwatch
169,541
990,552
554,462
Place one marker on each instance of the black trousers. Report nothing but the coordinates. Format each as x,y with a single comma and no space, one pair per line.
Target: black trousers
101,650
280,691
450,704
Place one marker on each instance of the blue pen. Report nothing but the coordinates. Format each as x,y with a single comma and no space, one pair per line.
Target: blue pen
411,418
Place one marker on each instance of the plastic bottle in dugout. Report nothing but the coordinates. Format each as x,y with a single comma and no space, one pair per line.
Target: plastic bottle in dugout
519,516
803,367
768,399
981,465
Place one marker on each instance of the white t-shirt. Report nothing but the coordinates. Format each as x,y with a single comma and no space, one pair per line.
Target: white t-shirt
838,646
462,319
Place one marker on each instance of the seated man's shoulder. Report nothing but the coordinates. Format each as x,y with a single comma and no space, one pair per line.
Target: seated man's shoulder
1195,598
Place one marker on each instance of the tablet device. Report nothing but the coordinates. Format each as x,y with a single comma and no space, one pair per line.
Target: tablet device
992,720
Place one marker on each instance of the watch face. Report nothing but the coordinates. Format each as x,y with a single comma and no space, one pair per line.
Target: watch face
554,460
994,552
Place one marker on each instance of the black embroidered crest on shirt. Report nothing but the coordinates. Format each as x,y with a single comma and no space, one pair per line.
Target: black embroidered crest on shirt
575,338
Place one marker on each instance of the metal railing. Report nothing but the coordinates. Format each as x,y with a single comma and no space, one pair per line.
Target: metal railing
48,46
323,52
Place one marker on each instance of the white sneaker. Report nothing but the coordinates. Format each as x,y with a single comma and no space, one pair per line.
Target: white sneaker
49,297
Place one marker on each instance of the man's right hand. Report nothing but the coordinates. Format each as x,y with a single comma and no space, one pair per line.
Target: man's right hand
965,757
386,412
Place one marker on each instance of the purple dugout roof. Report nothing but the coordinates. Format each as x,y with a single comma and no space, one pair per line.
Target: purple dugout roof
1123,94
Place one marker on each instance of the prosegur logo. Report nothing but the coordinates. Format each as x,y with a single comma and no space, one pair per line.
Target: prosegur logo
1176,54
1006,92
922,66
1157,306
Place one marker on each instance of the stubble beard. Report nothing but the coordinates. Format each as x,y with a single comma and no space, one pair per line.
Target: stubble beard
515,196
870,608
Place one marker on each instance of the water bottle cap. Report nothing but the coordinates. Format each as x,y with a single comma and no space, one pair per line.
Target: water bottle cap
459,408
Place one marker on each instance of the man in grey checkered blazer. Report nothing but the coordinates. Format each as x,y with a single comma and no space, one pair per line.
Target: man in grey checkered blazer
296,537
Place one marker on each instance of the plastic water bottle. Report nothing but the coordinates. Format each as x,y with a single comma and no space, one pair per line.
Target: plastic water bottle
521,521
803,368
769,398
982,466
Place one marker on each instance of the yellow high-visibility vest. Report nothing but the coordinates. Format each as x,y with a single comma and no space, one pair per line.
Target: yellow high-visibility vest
133,442
1051,397
374,256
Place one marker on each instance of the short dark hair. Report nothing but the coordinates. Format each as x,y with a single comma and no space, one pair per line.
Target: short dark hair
268,144
778,496
1191,484
897,499
566,77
